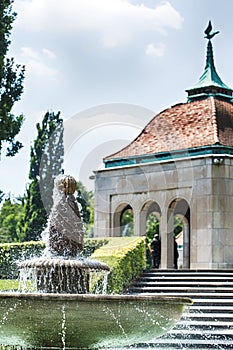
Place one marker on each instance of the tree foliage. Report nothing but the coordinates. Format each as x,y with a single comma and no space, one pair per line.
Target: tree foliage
11,214
46,163
86,200
178,225
11,84
127,222
152,226
2,194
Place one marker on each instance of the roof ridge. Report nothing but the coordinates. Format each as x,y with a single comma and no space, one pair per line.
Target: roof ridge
143,130
214,115
188,126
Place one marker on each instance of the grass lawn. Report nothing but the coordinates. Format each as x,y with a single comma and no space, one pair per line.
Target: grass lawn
16,286
9,285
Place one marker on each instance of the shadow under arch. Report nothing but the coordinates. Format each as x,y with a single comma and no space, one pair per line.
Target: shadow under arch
148,208
179,208
150,215
123,220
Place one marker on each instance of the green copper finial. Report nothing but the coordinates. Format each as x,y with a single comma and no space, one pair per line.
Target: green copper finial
209,84
209,33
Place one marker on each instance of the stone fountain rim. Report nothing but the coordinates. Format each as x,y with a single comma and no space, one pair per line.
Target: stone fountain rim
97,297
58,262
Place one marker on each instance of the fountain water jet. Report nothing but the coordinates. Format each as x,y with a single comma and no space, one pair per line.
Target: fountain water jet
61,270
62,314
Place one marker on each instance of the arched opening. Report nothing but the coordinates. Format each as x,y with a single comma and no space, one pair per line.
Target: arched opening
123,221
127,222
178,245
150,225
181,233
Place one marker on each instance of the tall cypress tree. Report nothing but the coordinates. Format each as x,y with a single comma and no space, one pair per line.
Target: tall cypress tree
11,88
46,163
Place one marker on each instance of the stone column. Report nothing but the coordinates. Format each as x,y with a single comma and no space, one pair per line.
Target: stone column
170,238
163,236
137,226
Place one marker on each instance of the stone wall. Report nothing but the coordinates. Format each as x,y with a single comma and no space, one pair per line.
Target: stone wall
200,185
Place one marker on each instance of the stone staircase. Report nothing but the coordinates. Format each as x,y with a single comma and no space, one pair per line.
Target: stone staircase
208,324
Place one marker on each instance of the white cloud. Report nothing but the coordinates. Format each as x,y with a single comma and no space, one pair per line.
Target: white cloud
155,50
29,53
40,68
35,62
50,54
114,21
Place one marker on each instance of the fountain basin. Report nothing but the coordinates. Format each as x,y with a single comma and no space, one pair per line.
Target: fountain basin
57,275
80,321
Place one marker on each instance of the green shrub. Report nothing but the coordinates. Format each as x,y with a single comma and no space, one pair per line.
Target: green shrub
91,244
12,253
124,255
126,258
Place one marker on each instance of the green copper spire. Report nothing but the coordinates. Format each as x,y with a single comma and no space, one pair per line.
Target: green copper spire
209,84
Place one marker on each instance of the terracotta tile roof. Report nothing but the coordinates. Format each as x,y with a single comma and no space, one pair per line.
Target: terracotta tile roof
186,125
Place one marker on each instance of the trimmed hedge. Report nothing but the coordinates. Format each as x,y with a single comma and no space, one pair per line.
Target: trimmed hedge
124,255
126,258
12,253
91,244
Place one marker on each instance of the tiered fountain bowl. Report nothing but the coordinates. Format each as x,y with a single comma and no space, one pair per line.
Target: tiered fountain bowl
80,321
62,314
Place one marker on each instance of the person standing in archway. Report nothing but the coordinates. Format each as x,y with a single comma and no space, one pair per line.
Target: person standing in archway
176,254
155,248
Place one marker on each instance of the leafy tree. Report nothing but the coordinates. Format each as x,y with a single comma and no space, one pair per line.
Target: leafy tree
127,222
152,228
35,215
86,200
178,225
11,80
11,214
46,163
2,194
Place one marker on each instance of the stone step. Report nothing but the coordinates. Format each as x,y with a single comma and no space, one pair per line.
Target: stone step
192,293
208,324
194,284
198,298
185,338
214,309
199,333
213,302
208,271
211,325
190,281
200,316
189,272
202,344
191,277
189,334
187,290
186,280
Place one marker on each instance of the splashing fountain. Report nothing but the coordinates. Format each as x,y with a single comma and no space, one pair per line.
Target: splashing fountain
62,314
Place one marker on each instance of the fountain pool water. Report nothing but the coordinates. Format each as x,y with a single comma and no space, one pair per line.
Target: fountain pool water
62,314
79,321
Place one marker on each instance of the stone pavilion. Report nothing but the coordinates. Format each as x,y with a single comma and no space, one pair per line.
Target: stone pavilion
181,164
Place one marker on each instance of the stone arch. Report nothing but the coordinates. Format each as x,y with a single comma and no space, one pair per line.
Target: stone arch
117,218
149,207
178,207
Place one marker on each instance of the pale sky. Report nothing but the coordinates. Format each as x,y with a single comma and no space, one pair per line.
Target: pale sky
109,66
